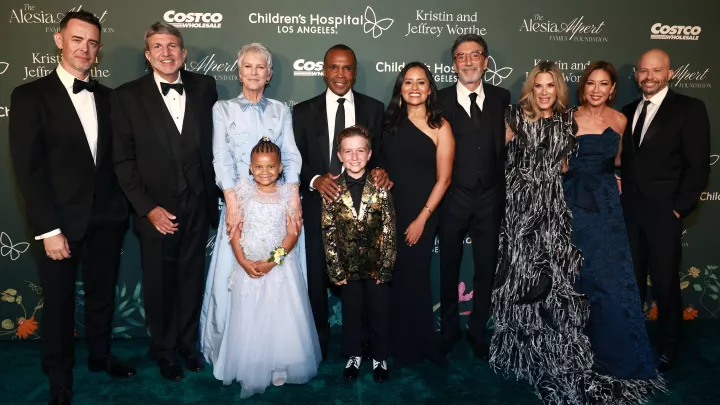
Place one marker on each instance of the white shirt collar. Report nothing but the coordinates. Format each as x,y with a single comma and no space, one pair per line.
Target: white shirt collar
331,97
159,79
66,78
658,98
463,92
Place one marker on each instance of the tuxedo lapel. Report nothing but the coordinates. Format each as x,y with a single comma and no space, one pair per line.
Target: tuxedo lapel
361,114
367,194
102,110
346,197
660,118
628,143
155,108
60,99
489,108
323,136
192,102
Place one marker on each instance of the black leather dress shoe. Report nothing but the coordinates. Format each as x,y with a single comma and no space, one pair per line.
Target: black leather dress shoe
170,369
352,369
380,371
480,349
111,365
193,360
61,398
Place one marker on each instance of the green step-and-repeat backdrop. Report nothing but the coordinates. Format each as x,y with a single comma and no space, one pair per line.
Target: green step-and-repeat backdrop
385,35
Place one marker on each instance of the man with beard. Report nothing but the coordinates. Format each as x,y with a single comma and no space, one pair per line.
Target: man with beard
665,167
316,124
61,148
475,200
162,123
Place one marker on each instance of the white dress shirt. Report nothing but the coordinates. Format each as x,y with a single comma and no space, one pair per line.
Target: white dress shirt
652,109
174,101
331,106
463,97
84,103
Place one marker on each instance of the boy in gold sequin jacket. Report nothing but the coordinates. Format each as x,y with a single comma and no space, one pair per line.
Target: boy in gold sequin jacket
359,237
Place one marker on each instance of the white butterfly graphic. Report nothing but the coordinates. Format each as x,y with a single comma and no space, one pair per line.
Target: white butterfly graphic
4,67
495,75
372,24
8,249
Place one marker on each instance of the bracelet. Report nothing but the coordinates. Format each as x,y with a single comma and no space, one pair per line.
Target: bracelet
277,255
428,208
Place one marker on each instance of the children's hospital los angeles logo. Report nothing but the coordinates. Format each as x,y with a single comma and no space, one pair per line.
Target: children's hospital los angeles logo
320,24
442,72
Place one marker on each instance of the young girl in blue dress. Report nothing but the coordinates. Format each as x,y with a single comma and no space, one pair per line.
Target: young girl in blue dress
271,332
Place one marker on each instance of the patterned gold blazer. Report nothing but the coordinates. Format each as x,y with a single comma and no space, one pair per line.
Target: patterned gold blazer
359,245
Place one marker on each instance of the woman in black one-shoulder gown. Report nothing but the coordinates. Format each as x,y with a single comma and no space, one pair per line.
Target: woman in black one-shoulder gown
418,150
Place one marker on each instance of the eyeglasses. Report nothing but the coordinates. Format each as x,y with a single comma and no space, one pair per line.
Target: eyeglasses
474,56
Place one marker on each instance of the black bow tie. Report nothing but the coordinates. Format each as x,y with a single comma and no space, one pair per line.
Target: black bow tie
79,85
351,182
167,86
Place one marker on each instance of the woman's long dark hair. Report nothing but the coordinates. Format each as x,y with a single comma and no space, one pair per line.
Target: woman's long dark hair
397,109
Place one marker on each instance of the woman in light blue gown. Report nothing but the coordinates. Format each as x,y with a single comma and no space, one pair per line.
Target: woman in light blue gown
238,125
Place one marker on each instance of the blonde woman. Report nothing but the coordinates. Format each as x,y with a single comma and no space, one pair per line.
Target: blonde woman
238,125
539,317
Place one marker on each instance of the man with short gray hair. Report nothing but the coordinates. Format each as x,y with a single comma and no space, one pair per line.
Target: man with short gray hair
162,124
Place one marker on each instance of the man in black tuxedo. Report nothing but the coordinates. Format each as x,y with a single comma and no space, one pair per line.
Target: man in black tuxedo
475,201
61,148
316,124
162,124
665,167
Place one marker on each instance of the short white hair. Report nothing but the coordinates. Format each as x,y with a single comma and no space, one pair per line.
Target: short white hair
258,48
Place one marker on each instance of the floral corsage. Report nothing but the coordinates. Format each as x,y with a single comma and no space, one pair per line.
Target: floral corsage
277,255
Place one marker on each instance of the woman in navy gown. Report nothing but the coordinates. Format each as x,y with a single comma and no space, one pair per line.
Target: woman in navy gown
616,326
540,318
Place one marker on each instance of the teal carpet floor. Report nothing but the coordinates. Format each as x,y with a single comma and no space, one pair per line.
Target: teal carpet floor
695,381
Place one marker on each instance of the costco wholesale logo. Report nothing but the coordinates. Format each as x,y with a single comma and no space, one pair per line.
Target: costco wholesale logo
678,32
193,20
301,67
